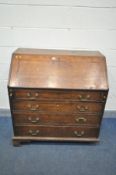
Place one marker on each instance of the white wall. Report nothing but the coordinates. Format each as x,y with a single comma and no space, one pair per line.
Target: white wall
60,24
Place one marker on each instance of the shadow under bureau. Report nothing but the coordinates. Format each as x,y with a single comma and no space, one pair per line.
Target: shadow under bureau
57,95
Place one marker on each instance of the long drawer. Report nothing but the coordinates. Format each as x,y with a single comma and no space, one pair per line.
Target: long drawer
47,119
58,95
56,107
56,131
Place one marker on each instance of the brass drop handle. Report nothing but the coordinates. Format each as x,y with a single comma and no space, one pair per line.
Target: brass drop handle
81,119
79,133
104,97
11,94
36,94
82,108
33,108
29,95
34,121
81,97
33,133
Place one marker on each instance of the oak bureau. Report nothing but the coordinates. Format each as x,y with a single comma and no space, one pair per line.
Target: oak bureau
57,95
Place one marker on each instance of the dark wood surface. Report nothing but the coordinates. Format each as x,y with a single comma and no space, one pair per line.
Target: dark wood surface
61,95
28,118
29,51
56,131
57,95
59,71
59,107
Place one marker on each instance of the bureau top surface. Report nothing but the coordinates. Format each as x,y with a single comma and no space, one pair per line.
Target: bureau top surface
55,69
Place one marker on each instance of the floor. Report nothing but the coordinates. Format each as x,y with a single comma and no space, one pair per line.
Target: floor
49,158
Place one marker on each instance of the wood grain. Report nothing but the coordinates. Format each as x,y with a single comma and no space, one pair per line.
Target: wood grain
27,118
50,70
56,131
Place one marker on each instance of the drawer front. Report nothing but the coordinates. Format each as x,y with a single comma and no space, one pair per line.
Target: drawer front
78,107
39,119
59,95
56,131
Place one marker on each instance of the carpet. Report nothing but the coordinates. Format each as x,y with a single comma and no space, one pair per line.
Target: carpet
51,158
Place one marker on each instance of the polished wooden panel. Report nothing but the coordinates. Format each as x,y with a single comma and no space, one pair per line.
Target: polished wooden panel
60,71
79,53
73,119
56,131
58,107
59,95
